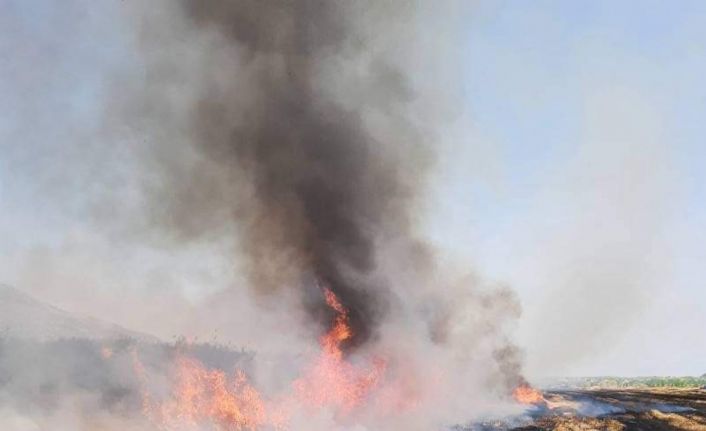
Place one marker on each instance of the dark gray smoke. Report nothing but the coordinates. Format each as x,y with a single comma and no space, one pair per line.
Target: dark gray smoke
310,188
305,131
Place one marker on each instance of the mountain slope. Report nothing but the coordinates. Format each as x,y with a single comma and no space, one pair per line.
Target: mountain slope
23,316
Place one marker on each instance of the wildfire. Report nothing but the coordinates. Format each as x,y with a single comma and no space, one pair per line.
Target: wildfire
340,332
526,394
332,381
201,396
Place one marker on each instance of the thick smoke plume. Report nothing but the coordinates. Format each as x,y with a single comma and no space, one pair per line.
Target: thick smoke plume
296,138
311,188
307,130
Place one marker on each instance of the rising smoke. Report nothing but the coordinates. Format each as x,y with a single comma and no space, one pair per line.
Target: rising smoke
305,133
307,130
278,150
323,190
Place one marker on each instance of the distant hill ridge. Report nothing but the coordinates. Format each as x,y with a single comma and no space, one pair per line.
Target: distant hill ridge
613,382
23,316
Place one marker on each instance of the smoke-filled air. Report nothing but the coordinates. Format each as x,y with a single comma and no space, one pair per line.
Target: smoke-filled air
286,215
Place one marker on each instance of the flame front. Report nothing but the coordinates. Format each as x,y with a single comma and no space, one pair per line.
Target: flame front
526,394
331,381
341,330
202,396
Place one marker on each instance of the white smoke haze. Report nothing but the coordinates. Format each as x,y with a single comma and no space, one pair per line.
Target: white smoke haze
601,250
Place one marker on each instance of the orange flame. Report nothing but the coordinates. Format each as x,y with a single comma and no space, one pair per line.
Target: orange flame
340,332
106,352
202,396
526,394
332,381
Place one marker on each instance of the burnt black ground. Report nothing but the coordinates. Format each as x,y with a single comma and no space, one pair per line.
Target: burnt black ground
622,409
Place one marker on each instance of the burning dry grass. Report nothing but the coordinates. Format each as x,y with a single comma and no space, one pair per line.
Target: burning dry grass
200,396
124,384
186,386
526,394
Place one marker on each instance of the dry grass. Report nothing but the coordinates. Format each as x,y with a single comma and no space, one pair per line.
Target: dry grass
582,424
660,409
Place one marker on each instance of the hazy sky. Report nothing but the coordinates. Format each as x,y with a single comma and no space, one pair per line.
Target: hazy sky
587,116
573,174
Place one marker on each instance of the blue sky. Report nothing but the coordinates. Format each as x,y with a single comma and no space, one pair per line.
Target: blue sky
574,173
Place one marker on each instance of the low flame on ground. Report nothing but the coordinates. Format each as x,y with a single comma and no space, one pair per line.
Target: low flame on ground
201,396
526,394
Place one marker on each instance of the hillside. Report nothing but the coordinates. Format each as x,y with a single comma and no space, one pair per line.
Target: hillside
22,316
